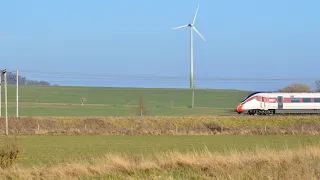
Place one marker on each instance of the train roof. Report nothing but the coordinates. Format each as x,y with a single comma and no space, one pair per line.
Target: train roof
276,92
250,96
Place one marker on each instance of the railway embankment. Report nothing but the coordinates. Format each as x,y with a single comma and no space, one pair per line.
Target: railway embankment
163,125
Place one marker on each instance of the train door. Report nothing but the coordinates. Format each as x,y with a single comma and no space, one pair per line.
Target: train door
262,103
280,102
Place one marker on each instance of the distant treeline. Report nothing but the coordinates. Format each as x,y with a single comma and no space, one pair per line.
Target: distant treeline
11,79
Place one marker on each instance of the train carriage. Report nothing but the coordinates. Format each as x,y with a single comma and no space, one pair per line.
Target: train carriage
269,103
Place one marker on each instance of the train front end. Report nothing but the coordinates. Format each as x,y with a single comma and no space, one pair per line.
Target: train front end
239,109
247,103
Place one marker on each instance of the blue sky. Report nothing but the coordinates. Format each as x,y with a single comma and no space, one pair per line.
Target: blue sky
245,39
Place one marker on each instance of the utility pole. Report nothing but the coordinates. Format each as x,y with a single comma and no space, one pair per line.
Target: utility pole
0,91
192,97
17,92
6,99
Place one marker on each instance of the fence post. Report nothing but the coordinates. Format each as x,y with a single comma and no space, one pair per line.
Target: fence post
176,128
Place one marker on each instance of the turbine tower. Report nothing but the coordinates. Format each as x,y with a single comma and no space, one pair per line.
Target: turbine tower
192,27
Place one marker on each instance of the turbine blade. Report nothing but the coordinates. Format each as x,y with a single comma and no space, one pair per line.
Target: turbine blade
180,27
195,29
195,15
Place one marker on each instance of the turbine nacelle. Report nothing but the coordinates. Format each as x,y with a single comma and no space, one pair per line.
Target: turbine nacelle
191,25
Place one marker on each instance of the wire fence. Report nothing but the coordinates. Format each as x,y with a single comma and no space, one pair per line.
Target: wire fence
89,94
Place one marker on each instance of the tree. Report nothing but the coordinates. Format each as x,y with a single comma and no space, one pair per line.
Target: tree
142,109
127,101
297,87
12,79
36,99
83,100
318,85
172,102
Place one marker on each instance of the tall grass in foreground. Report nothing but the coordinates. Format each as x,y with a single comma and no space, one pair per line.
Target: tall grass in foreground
303,163
9,151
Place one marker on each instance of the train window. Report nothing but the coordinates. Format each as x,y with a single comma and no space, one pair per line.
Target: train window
316,99
295,99
306,100
262,99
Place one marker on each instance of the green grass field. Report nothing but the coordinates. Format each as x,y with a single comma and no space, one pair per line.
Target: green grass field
65,101
44,156
46,150
165,157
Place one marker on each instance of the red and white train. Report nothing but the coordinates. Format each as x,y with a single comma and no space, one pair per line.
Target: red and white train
264,103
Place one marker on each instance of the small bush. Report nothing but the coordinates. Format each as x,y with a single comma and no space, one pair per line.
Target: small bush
8,154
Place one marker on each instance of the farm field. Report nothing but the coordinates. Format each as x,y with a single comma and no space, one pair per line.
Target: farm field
49,150
104,139
43,155
99,101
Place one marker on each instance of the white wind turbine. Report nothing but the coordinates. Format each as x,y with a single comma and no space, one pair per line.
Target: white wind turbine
192,27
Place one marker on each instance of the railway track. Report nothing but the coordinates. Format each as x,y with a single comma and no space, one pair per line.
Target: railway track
283,112
273,115
289,114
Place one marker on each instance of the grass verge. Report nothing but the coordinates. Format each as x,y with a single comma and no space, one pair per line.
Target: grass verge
164,125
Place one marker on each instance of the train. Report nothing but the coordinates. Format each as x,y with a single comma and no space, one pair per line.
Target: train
272,103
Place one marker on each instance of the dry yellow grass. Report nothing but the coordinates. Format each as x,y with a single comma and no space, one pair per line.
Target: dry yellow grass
164,125
303,163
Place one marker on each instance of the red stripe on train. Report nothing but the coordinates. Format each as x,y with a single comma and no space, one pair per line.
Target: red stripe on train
286,100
